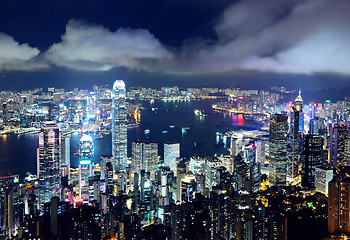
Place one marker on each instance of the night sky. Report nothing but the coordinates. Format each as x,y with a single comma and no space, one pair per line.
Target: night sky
153,43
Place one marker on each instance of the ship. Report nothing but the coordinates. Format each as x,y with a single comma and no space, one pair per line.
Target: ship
200,113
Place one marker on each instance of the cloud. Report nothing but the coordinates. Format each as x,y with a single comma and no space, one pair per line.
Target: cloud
289,36
15,56
276,36
92,47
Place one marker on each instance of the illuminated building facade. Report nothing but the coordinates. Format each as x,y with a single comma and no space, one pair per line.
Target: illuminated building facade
339,205
337,141
48,162
86,152
119,126
311,158
138,163
171,153
278,149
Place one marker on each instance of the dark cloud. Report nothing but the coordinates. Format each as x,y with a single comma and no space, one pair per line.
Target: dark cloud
278,36
272,36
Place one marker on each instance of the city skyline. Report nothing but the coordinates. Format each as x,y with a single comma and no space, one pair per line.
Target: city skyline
292,43
175,119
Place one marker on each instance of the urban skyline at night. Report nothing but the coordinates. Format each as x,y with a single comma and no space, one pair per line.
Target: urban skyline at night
175,119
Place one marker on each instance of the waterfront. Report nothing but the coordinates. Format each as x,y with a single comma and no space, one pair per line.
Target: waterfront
166,121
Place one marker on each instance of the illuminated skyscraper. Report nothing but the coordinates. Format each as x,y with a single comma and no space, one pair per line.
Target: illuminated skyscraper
119,126
278,149
337,143
311,158
150,155
171,153
86,147
137,156
86,152
48,162
294,145
339,205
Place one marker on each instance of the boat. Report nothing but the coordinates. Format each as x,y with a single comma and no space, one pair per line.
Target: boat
200,113
133,125
99,137
171,126
164,132
147,131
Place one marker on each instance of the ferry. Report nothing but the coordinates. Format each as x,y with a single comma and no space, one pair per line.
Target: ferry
200,113
99,137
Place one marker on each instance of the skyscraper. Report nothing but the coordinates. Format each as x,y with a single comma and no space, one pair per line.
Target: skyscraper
278,149
137,156
151,157
339,205
337,141
119,126
311,158
171,153
48,162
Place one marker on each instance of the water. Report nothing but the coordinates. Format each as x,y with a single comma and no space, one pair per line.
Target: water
165,123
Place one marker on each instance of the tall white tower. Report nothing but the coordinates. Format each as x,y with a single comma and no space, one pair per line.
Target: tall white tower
48,162
119,126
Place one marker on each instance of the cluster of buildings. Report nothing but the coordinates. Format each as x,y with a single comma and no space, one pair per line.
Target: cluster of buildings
270,183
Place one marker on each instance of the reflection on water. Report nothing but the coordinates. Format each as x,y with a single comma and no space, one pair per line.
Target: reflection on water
171,121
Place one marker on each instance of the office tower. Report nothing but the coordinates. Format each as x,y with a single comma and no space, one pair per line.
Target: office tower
278,149
339,205
171,153
150,156
138,163
311,158
323,176
66,151
294,146
85,171
299,108
9,211
56,219
260,151
4,113
197,165
119,126
48,162
338,136
86,147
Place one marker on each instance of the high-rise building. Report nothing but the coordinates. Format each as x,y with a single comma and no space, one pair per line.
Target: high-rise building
323,176
86,153
86,147
138,163
260,151
299,108
48,162
171,153
4,113
85,171
119,126
339,205
311,158
337,141
150,155
278,149
66,151
144,156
